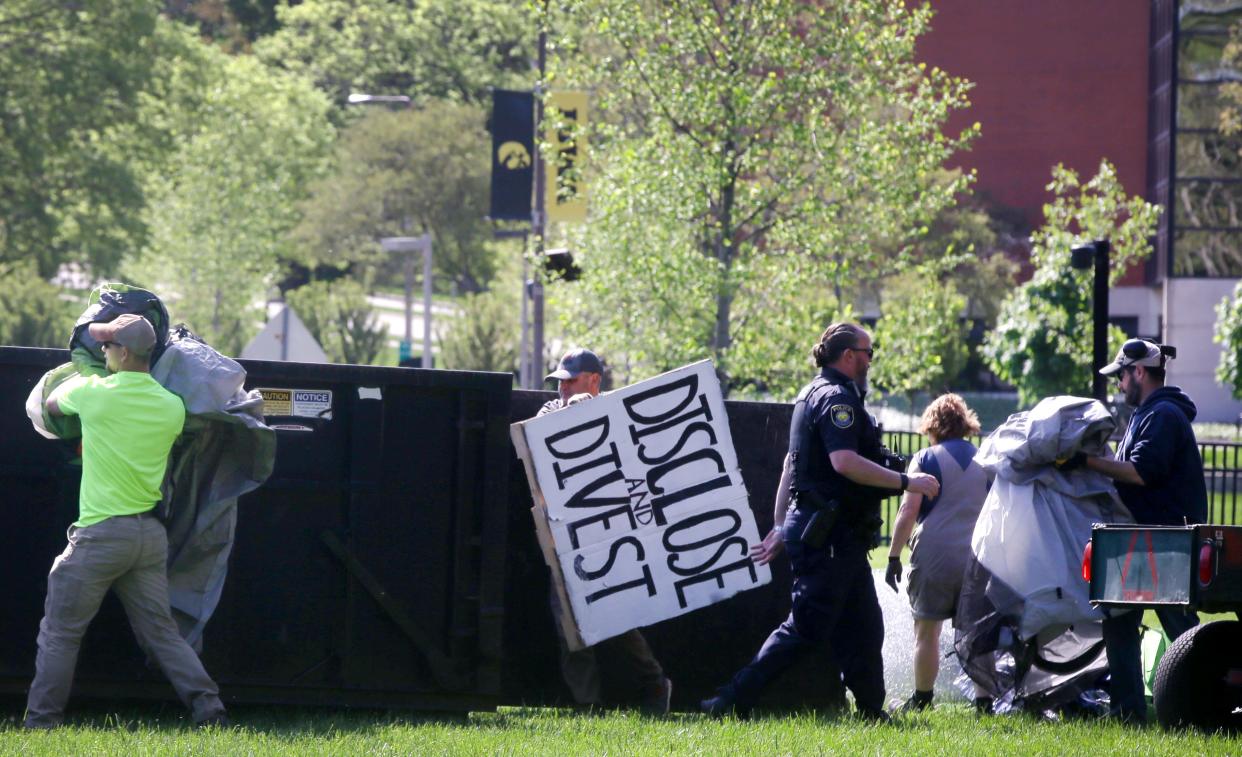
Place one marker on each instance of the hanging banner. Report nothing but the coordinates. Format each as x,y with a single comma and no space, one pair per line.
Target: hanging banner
640,509
565,195
513,145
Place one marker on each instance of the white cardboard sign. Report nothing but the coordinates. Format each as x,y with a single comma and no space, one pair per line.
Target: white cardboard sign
639,504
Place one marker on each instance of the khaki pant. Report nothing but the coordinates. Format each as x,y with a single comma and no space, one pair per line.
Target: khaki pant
128,555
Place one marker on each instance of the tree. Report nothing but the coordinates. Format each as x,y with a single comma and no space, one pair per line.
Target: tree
482,337
918,336
70,76
400,173
245,144
1229,336
32,312
1231,92
1042,340
337,314
749,160
454,49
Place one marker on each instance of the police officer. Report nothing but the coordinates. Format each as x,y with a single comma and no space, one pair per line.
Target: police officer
834,479
1159,476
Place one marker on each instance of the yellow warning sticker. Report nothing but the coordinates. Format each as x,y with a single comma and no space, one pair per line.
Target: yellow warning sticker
277,401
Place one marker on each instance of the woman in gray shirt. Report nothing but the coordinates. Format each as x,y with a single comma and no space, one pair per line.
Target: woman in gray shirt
939,532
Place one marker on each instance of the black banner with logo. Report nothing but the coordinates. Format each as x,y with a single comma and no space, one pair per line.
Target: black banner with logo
513,148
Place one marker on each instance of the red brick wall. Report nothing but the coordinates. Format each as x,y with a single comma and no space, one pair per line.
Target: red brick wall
1055,81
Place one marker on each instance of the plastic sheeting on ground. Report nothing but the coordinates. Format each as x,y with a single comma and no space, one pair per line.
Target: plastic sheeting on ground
1026,633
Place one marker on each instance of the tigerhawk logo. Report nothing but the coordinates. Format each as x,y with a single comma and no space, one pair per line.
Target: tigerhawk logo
513,155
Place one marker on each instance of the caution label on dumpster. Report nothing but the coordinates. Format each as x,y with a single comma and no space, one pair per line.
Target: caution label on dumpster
297,403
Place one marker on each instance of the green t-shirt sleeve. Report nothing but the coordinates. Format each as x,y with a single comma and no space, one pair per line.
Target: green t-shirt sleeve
69,395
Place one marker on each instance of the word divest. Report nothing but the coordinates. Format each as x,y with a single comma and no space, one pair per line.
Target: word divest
640,507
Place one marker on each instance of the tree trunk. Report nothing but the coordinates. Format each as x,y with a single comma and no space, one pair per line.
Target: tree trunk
724,253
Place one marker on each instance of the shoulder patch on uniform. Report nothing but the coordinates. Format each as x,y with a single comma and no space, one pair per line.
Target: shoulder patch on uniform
842,415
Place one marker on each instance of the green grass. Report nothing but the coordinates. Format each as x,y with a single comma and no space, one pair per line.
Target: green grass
949,729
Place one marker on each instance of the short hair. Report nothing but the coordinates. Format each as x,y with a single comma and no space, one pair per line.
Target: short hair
835,340
1156,373
948,417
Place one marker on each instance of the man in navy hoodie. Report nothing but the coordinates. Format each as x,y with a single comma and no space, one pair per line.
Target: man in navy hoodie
1159,476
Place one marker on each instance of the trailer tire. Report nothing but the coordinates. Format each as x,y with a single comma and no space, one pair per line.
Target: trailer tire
1193,686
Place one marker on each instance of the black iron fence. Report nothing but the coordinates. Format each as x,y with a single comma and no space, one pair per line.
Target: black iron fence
1222,469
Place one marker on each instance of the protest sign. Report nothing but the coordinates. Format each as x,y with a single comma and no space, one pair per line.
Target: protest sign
640,507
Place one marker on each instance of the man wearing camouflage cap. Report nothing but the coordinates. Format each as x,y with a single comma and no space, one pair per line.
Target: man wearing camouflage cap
129,424
1159,476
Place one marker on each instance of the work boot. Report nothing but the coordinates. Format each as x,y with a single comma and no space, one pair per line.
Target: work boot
656,699
723,705
220,720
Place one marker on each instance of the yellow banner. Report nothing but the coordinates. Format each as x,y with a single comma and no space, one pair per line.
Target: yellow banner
565,196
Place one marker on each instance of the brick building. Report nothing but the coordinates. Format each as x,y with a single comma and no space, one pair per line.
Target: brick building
1136,82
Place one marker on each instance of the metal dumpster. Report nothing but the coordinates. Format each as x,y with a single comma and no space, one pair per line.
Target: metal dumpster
389,561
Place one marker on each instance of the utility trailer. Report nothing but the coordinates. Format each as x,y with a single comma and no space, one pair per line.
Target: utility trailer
1199,679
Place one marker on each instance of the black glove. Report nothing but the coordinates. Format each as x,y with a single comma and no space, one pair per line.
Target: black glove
1076,460
893,574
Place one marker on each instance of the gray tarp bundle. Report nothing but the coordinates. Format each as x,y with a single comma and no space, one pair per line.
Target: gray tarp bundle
1026,632
225,451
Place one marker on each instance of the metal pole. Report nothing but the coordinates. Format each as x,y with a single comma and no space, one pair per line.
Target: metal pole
537,217
1099,347
284,333
409,297
426,300
525,373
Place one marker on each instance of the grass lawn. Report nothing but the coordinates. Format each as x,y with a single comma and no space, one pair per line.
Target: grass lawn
950,729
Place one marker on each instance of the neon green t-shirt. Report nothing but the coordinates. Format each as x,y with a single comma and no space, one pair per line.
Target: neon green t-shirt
129,423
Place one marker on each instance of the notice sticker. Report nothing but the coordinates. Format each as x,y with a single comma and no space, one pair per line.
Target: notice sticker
297,403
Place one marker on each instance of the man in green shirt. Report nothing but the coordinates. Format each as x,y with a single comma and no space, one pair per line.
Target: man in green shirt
129,424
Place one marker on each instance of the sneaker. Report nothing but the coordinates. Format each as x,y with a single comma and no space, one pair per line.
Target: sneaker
912,705
722,706
983,705
658,698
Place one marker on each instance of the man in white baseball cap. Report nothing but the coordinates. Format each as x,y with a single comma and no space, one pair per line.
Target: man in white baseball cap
1159,477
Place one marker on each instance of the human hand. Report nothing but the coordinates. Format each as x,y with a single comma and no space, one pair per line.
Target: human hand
893,573
925,484
581,397
770,548
1076,460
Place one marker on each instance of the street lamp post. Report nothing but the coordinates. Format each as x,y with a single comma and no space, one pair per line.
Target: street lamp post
1083,257
411,245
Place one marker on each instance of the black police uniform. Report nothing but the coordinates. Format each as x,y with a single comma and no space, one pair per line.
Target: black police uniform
834,596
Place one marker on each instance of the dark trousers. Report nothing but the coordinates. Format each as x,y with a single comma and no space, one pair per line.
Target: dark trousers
620,670
834,601
1123,646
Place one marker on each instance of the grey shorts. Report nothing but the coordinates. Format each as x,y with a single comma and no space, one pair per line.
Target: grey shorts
931,599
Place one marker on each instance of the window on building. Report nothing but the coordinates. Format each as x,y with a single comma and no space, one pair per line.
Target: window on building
1205,201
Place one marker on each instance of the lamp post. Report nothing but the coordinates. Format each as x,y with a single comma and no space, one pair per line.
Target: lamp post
412,245
1082,257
